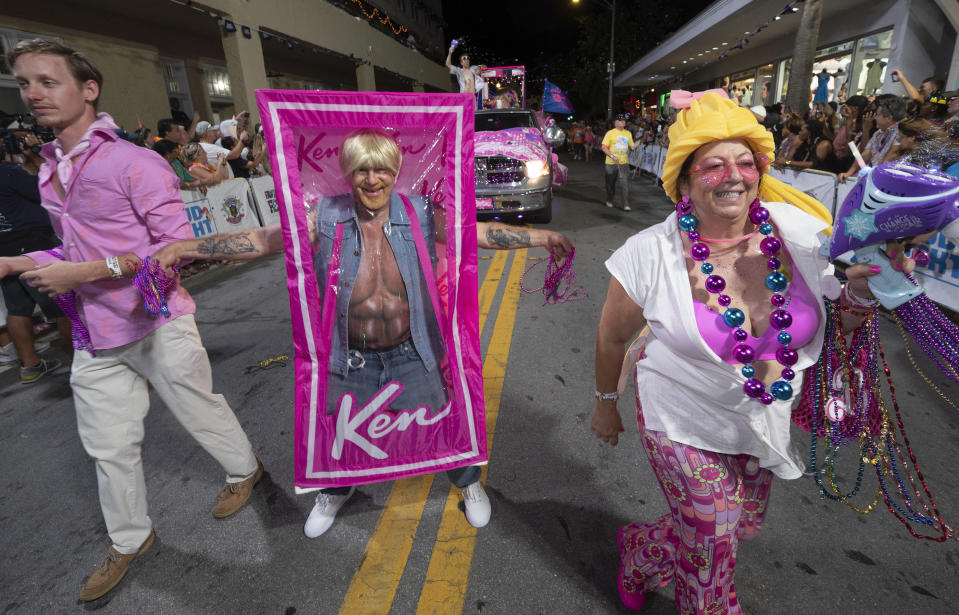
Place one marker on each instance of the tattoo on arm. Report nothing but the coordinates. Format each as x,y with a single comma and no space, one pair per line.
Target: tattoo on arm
506,239
225,246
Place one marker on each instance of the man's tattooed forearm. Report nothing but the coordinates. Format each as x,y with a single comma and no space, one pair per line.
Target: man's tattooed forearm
223,246
507,238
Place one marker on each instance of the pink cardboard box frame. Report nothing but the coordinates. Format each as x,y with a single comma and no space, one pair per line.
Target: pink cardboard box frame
446,119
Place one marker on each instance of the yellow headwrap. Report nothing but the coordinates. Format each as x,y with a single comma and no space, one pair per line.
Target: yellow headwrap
712,117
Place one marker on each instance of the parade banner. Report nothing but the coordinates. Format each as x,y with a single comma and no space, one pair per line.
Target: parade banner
842,191
940,277
426,414
660,161
225,207
264,198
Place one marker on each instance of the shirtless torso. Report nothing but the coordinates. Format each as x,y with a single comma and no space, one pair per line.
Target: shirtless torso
469,80
379,312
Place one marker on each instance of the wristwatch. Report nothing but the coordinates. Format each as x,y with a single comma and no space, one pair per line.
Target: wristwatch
607,396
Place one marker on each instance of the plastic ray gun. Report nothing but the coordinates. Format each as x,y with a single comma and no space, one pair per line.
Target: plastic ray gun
891,201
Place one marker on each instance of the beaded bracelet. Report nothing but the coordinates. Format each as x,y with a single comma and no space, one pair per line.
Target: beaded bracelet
855,300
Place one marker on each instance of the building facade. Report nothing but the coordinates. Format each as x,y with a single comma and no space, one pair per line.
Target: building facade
860,43
212,56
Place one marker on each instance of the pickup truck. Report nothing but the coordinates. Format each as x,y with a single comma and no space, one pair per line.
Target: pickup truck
514,166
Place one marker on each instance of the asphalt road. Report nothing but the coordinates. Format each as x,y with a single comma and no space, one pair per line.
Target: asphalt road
558,493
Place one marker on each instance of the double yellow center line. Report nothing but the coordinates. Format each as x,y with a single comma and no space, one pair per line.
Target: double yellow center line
374,585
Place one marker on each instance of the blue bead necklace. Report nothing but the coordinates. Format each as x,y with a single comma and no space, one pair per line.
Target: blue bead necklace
776,281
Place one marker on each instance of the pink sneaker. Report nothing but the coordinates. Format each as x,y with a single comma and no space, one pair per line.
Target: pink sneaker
631,597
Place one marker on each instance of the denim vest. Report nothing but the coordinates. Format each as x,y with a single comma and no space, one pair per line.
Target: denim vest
424,326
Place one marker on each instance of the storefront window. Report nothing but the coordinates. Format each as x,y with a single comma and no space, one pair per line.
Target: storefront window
766,85
784,82
872,58
740,86
831,85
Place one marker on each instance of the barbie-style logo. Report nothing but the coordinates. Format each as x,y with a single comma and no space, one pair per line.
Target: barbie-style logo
314,151
348,427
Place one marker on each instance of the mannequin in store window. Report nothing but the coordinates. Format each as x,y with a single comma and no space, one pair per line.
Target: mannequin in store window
822,89
874,72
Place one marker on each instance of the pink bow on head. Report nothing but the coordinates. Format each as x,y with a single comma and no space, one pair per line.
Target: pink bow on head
681,99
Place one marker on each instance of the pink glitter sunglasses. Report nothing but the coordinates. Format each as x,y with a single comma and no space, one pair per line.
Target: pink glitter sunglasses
717,170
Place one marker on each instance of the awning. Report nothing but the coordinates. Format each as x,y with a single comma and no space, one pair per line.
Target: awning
720,28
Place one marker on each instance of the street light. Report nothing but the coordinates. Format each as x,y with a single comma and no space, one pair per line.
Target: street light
611,65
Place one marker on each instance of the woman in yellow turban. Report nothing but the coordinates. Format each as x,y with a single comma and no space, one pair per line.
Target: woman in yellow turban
731,287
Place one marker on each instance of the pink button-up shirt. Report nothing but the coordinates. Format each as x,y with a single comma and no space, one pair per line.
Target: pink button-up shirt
120,198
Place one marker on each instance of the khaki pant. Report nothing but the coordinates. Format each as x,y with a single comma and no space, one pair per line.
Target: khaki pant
112,399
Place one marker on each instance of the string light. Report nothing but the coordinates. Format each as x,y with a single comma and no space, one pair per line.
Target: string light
230,26
385,20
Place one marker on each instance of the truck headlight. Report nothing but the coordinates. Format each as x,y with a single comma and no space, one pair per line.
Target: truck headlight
536,168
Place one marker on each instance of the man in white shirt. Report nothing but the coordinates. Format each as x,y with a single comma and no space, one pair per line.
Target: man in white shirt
207,134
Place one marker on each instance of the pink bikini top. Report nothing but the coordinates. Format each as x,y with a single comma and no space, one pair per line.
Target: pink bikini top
803,306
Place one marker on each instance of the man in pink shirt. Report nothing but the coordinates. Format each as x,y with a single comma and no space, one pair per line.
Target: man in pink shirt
112,202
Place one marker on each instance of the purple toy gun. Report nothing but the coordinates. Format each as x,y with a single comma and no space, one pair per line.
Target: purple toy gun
893,201
889,202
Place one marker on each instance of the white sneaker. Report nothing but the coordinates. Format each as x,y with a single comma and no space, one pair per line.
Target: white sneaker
478,510
8,353
609,204
627,208
324,512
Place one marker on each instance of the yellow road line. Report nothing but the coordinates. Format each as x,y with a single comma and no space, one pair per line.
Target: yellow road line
374,584
447,577
490,283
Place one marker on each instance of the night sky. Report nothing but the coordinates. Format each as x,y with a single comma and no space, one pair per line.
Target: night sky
513,31
534,32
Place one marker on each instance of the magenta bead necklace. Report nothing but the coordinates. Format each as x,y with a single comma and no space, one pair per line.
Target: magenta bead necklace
734,317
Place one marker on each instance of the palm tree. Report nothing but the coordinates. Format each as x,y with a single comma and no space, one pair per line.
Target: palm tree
804,52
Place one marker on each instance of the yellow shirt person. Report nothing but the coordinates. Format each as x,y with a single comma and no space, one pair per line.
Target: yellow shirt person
617,144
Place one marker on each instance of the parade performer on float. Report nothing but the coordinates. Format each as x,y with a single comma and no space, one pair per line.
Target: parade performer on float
390,332
113,203
731,287
468,76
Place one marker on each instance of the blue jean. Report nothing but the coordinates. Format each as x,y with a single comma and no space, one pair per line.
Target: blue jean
371,370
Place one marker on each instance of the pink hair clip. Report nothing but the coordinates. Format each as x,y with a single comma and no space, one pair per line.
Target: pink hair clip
681,99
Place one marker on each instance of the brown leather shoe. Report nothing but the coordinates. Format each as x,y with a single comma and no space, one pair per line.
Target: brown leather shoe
112,570
235,495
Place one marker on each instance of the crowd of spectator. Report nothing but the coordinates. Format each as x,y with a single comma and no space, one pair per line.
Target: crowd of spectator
203,153
922,126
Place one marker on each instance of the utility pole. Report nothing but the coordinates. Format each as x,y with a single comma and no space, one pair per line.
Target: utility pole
612,62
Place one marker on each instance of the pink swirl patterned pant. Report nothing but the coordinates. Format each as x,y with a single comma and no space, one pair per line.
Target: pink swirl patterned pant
715,500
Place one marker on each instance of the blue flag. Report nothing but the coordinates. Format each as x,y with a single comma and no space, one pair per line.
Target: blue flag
554,99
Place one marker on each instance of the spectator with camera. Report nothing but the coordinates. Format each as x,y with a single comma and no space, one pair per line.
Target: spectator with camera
249,158
208,134
925,89
890,109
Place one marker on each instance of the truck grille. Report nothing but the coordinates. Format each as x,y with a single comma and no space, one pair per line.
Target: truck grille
495,170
